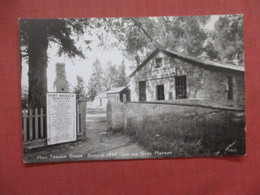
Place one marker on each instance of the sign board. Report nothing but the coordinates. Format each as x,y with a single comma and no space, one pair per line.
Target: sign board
161,73
61,118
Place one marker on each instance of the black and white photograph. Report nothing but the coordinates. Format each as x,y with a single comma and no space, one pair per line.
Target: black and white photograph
132,88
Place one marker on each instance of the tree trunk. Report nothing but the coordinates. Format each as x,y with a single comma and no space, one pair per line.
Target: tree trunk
37,51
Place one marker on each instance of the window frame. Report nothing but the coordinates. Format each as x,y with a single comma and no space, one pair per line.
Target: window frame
230,88
157,65
181,87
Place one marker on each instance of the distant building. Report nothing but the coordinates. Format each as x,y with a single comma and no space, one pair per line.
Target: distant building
61,84
169,76
118,94
101,100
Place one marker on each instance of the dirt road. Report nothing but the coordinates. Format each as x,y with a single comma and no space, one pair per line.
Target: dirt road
109,144
99,144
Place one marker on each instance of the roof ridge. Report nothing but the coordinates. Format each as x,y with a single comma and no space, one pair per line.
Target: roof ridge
204,63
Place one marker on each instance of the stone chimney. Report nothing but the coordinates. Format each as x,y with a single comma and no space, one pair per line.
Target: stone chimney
61,84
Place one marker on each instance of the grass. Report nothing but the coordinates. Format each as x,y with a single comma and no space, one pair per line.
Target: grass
190,135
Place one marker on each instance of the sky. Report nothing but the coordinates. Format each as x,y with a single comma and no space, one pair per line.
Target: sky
83,67
77,66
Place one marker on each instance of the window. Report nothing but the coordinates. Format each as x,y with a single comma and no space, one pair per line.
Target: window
230,88
180,87
160,92
158,62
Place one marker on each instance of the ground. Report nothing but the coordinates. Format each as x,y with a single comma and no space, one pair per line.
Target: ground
98,145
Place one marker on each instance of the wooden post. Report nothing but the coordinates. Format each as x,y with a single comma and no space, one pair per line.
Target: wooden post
80,129
36,130
41,123
124,98
77,118
124,115
30,125
109,116
24,126
83,118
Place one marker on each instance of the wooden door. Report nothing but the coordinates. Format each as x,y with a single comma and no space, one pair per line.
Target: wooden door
160,92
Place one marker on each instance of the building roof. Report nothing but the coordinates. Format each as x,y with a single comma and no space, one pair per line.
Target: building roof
101,95
116,90
210,65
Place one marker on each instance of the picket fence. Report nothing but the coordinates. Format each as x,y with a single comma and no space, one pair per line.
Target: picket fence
35,126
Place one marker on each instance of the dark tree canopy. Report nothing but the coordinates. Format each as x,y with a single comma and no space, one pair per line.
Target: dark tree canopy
184,34
142,35
228,39
35,36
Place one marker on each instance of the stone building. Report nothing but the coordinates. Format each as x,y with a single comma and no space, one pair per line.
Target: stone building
169,76
101,100
118,94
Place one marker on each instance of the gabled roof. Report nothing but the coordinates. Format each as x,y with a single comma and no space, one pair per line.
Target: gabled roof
214,66
116,90
101,95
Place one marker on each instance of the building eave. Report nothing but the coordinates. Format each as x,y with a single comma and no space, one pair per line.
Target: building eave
210,65
116,90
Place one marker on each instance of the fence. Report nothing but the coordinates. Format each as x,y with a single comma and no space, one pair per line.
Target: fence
35,126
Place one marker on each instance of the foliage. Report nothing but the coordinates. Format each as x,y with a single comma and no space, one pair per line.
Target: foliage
25,98
183,34
228,39
54,30
139,37
115,76
35,35
142,35
95,82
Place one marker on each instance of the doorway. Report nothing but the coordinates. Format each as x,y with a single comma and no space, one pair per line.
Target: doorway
142,90
160,92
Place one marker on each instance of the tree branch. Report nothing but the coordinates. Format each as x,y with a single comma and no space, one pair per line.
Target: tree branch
139,25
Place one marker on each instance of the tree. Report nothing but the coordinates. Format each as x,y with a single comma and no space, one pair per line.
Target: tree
227,39
138,35
80,88
143,35
122,77
95,82
115,76
186,35
25,98
35,37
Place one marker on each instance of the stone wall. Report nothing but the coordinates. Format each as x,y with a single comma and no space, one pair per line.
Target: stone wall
185,120
206,85
115,118
119,114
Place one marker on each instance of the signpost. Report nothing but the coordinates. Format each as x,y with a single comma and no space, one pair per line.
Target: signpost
61,118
